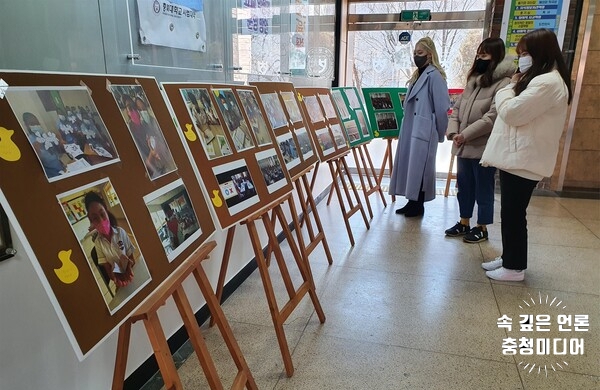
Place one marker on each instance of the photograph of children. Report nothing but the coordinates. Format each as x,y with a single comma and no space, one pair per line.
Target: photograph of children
288,150
381,101
352,130
64,128
362,121
236,185
338,135
236,124
107,241
144,129
327,145
174,218
271,169
386,121
314,109
352,98
274,110
206,122
328,106
303,139
292,106
340,104
257,121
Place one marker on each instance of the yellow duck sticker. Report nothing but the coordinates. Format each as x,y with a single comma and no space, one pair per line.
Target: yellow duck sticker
9,151
376,133
299,96
189,133
216,199
69,272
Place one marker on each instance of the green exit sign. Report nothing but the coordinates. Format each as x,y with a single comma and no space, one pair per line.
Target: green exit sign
412,15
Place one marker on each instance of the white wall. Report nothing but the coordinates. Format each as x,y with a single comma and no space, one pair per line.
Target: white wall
34,350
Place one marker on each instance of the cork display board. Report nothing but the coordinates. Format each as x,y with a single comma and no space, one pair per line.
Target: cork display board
291,131
324,123
353,115
384,106
100,190
232,145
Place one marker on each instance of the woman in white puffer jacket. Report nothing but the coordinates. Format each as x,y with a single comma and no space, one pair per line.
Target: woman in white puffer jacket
524,142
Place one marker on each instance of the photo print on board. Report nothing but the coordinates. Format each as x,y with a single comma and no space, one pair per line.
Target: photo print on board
144,129
174,218
289,151
236,185
304,142
236,124
274,110
314,109
340,103
328,106
206,122
338,135
325,140
381,101
352,130
257,121
292,106
353,99
271,169
107,241
363,123
386,120
64,128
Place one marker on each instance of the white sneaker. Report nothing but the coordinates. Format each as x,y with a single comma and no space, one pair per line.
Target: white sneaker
493,264
507,275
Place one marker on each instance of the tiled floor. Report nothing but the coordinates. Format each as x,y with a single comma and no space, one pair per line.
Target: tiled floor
408,308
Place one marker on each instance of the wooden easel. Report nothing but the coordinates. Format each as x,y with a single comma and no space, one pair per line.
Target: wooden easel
148,313
387,159
371,176
450,176
338,166
295,295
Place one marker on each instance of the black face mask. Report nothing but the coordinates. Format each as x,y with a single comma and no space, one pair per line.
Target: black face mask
481,65
420,61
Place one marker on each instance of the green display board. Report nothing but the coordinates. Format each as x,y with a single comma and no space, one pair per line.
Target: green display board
384,106
353,115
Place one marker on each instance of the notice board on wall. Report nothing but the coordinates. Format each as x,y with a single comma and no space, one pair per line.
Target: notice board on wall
77,151
291,131
324,123
232,145
353,115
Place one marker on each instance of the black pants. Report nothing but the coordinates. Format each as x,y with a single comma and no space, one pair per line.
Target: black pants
515,194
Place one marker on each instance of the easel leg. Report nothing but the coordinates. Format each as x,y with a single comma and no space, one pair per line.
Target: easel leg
224,265
272,301
365,190
122,354
335,176
221,321
162,352
391,164
344,167
310,205
366,150
193,331
342,205
269,245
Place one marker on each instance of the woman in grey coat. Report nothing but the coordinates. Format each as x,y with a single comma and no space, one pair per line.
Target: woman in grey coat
469,128
424,125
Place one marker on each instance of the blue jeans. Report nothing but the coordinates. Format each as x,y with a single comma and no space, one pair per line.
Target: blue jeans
475,183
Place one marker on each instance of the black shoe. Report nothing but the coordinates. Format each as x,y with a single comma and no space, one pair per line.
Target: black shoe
416,211
406,207
476,235
458,230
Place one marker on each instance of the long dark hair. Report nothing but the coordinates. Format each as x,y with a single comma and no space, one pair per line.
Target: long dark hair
495,48
92,197
543,48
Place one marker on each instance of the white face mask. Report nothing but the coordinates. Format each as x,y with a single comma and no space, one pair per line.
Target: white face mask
525,62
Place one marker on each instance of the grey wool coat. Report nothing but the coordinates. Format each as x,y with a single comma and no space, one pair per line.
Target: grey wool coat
474,113
424,125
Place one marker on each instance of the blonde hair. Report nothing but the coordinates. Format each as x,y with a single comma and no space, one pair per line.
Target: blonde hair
429,47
